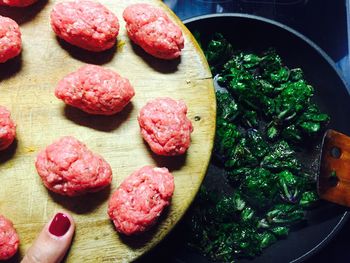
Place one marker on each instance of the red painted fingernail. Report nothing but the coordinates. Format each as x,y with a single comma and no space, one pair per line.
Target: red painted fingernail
59,225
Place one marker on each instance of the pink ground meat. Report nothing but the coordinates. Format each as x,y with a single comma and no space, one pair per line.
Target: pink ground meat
7,129
10,39
17,3
138,202
165,127
150,28
9,240
68,167
95,90
85,24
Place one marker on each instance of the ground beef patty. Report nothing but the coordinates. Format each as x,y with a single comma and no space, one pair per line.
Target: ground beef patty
7,129
95,90
68,167
165,127
10,39
8,239
140,199
17,3
150,28
85,24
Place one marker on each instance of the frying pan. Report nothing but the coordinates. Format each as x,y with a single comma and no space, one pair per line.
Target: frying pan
252,33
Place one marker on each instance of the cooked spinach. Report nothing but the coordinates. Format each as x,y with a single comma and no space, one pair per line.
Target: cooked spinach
217,51
264,113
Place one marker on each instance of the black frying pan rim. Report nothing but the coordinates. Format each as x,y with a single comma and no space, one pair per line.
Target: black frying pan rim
346,214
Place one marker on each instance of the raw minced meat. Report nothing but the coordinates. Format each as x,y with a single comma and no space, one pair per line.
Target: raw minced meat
165,127
17,3
140,199
150,28
95,90
85,24
68,167
9,239
10,39
7,129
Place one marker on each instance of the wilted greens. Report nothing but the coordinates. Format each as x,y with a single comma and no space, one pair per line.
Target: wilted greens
264,114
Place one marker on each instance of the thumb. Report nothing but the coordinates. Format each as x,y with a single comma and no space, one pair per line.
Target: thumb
53,242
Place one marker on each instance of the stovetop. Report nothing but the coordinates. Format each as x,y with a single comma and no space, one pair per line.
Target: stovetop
324,22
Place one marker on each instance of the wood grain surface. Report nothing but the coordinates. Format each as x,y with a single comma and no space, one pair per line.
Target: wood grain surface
333,182
27,86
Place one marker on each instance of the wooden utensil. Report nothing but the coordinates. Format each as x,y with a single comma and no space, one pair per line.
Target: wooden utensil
334,174
27,86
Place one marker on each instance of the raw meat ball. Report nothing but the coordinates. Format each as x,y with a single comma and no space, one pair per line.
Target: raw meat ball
9,240
150,28
10,39
85,24
138,202
17,3
165,127
7,129
95,90
68,167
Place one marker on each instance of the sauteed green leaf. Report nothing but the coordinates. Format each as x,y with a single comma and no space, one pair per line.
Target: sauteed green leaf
264,114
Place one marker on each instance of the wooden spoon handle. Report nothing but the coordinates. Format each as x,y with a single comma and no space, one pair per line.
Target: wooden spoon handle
334,174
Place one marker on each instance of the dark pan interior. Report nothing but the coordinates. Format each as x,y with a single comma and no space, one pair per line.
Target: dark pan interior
257,34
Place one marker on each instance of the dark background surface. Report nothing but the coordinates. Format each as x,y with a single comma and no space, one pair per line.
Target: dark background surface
322,21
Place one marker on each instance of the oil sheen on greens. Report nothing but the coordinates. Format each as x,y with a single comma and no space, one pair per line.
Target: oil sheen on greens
263,114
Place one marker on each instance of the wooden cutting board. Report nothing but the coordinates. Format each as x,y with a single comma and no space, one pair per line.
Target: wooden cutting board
27,88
